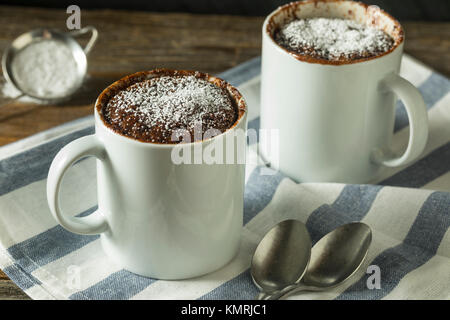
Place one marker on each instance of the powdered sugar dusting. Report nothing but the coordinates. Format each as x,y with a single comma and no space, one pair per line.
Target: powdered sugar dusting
333,39
152,109
46,69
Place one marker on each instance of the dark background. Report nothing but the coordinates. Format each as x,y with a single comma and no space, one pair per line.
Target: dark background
423,10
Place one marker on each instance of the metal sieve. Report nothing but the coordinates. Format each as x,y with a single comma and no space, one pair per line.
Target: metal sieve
66,38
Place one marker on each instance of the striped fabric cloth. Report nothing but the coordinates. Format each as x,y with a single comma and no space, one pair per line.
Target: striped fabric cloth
407,208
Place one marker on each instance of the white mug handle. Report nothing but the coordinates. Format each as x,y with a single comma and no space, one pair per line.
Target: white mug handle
418,122
94,223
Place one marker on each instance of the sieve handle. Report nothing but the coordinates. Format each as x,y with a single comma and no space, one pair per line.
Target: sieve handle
82,31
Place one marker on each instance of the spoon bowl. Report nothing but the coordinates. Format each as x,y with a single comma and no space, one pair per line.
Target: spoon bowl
281,257
338,255
334,258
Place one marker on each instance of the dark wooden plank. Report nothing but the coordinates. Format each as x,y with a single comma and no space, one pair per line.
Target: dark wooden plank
3,276
9,291
429,43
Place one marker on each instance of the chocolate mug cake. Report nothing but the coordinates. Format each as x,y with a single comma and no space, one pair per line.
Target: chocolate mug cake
333,39
155,109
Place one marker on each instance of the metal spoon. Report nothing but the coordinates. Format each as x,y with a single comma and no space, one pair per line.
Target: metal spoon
281,258
334,258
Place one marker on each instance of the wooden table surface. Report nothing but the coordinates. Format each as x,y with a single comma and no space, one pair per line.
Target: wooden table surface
135,41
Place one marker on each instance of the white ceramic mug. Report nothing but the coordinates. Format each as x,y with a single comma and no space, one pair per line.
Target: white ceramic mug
336,121
157,218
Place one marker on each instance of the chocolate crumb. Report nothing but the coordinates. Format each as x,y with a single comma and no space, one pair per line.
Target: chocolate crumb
155,109
333,39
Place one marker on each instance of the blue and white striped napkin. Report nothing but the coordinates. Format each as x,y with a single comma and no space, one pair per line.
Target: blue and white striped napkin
407,208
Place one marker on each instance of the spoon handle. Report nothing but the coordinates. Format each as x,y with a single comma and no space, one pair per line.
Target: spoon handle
278,294
298,288
263,296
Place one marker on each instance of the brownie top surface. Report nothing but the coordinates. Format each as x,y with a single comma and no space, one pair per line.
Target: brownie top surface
166,108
